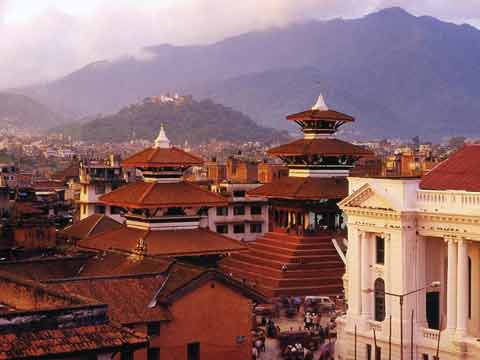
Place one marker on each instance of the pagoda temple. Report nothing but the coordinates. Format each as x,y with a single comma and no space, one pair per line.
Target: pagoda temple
164,213
297,256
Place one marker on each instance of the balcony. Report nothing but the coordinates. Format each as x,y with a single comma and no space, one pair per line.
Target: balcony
430,335
455,202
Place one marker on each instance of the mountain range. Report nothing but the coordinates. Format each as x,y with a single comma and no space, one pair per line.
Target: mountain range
22,112
399,75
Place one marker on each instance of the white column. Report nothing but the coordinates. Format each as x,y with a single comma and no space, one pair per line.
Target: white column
365,277
354,268
452,285
462,284
421,280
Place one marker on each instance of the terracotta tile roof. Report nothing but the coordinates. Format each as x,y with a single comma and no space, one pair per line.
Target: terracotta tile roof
45,268
154,195
27,208
120,264
164,242
461,171
58,342
159,157
127,297
320,115
307,188
94,224
326,147
183,280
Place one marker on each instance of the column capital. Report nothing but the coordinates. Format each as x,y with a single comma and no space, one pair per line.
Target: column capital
386,236
450,238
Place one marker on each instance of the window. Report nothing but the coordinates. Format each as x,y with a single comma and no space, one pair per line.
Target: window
424,356
153,354
239,210
115,210
239,193
193,351
126,355
255,228
238,228
380,250
222,211
222,229
379,294
256,210
100,188
100,209
378,353
153,328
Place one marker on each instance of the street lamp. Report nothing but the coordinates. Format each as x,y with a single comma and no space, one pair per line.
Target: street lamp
434,284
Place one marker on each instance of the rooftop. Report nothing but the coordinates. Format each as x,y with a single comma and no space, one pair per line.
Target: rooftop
304,188
323,147
94,224
167,243
141,195
461,171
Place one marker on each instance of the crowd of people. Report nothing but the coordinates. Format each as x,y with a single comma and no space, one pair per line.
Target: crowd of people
316,336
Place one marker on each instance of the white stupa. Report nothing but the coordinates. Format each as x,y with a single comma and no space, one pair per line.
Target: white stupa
162,140
320,104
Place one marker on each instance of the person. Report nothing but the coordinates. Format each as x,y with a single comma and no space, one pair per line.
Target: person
308,320
254,353
314,320
259,345
321,333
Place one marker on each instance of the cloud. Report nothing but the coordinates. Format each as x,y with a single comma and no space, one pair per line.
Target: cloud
53,43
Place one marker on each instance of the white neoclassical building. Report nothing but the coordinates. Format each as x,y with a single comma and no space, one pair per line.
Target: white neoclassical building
416,240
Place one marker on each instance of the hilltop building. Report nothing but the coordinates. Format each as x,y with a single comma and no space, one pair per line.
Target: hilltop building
296,256
418,240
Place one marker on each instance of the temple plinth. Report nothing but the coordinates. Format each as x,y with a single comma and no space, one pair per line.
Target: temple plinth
297,257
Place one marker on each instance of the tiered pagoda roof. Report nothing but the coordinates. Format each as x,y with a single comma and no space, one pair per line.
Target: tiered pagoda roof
163,211
323,147
304,188
319,163
147,195
164,243
159,157
296,257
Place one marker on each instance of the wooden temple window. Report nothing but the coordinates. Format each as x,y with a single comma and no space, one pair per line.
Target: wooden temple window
256,228
222,229
239,210
239,228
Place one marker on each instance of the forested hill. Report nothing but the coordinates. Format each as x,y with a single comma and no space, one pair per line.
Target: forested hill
186,119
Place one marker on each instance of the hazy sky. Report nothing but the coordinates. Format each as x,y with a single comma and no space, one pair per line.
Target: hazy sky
44,39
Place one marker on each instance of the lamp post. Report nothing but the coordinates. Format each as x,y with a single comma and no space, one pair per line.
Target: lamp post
434,284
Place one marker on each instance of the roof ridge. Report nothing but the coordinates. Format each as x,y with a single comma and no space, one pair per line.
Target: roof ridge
147,190
96,223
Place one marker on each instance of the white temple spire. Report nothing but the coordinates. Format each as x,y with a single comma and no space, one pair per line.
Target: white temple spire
162,140
320,104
